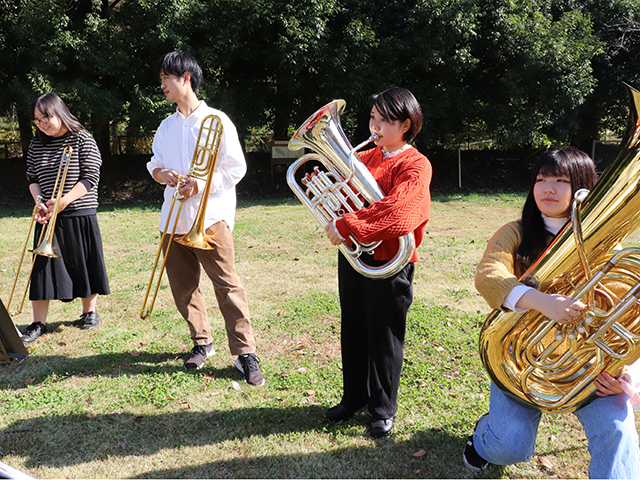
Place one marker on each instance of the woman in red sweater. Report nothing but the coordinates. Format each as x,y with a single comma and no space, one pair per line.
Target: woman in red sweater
374,311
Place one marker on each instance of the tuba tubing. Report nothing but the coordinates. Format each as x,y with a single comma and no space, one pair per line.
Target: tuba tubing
551,366
345,185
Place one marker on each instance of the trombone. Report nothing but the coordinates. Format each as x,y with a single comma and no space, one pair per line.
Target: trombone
45,246
202,165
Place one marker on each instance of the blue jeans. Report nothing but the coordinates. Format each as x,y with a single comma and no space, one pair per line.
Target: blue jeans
507,434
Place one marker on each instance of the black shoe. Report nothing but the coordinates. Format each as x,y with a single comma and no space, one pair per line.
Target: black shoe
341,412
87,321
33,331
248,365
470,457
199,354
381,428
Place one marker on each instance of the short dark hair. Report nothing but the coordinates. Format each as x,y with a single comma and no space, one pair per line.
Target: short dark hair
179,63
567,161
51,105
398,103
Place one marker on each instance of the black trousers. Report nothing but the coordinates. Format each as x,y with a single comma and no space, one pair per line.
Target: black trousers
374,317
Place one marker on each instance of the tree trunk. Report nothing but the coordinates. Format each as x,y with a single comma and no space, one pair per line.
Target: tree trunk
26,131
100,124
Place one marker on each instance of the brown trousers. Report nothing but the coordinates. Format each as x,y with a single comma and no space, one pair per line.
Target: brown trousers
183,269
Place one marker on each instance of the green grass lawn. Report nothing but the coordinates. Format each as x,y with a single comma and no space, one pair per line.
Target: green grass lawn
115,402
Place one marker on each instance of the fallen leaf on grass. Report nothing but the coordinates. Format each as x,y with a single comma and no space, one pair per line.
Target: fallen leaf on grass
29,381
280,312
422,384
236,385
420,453
310,393
91,415
302,369
208,376
135,353
545,463
285,374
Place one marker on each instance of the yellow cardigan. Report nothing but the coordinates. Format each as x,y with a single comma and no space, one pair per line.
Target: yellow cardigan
496,274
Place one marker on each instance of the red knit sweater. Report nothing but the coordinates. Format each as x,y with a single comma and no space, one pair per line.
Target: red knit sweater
405,179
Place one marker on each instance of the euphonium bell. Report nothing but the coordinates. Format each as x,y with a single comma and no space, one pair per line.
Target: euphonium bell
346,185
551,366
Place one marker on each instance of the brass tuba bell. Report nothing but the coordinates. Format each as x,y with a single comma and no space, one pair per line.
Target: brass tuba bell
551,366
346,185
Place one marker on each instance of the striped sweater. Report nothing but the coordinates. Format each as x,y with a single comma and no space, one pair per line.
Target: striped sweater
43,163
405,180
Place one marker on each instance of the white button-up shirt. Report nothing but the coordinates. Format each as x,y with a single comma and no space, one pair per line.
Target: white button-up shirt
173,149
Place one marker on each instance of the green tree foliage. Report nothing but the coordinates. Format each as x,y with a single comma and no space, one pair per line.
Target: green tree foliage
525,72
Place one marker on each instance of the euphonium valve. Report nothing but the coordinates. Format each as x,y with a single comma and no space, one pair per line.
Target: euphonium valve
551,366
344,185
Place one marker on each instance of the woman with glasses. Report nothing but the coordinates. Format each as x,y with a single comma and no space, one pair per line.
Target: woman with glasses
80,271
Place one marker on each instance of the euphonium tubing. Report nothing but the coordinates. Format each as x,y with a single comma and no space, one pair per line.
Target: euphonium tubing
345,185
551,366
202,166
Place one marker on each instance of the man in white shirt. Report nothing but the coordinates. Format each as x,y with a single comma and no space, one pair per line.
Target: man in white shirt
173,147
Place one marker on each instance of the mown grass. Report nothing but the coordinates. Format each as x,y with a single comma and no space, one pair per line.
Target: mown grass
115,402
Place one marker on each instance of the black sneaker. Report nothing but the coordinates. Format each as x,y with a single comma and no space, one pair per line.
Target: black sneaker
471,459
33,331
87,321
199,354
248,365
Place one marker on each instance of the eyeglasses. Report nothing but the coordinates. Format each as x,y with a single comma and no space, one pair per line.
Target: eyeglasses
40,121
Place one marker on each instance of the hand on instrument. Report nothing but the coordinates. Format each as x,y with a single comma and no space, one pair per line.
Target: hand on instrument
607,385
188,188
42,214
560,308
169,177
333,234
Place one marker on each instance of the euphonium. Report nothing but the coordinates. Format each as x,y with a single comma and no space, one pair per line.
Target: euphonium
551,366
202,166
344,186
45,246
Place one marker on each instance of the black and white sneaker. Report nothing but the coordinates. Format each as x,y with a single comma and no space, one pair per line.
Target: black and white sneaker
471,459
199,354
33,331
248,365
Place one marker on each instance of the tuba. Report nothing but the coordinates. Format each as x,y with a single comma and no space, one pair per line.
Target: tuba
202,166
551,366
345,185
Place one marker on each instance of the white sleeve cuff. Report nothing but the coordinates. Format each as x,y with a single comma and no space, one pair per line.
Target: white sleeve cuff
514,295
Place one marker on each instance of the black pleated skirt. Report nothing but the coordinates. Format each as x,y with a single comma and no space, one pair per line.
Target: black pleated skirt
80,271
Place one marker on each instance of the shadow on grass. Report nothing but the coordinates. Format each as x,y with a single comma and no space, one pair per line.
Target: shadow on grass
261,437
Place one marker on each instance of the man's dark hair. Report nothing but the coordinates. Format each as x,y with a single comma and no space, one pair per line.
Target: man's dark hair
178,63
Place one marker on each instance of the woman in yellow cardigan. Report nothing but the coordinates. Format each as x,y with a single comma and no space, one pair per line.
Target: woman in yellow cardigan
507,434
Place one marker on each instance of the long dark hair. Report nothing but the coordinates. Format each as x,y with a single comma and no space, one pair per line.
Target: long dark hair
398,103
51,105
567,161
